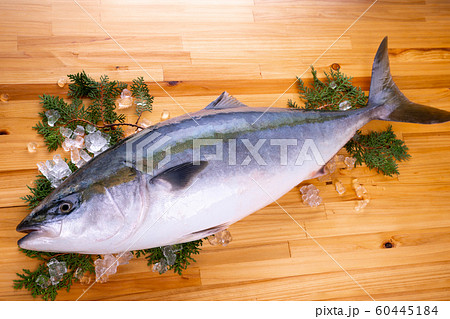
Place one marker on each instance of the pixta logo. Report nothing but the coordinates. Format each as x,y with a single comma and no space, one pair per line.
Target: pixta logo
155,151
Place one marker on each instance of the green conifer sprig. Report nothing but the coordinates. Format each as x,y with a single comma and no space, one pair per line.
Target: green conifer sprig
82,85
41,189
378,150
77,264
184,255
100,112
328,94
143,99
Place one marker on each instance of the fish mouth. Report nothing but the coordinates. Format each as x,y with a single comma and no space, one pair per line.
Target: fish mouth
26,228
37,231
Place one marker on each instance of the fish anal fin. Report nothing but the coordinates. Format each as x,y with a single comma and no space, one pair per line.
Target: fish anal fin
181,176
211,230
224,101
318,173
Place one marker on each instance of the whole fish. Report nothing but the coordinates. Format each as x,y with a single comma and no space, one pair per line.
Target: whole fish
194,175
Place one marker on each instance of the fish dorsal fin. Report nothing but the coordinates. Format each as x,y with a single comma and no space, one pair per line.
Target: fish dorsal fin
180,176
224,101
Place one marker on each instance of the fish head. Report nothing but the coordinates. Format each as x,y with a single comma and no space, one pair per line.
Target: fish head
87,219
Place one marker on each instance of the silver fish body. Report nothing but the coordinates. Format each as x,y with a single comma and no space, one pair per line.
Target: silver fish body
194,175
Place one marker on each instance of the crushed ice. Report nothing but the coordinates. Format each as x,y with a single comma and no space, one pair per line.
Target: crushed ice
169,259
345,105
107,266
126,99
361,193
54,170
56,270
221,238
310,195
52,117
97,142
43,281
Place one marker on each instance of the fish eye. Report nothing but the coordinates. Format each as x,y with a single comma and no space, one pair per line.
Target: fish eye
65,207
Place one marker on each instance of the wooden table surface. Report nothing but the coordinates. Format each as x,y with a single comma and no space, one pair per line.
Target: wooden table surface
253,49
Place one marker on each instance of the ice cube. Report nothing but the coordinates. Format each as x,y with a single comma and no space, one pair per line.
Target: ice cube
111,264
65,131
360,191
125,94
62,169
124,258
56,270
333,85
169,253
32,147
165,115
67,145
100,271
105,267
95,142
350,162
225,237
311,195
79,130
90,128
160,266
43,281
75,155
80,163
330,166
126,99
43,169
124,103
79,273
344,105
85,156
62,82
213,240
304,189
78,142
339,187
52,117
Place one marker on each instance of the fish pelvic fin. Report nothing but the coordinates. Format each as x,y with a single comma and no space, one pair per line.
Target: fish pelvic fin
389,103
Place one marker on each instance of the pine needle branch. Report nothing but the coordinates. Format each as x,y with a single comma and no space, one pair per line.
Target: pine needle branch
378,150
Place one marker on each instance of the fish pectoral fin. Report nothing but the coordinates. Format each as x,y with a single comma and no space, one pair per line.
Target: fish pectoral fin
224,101
180,176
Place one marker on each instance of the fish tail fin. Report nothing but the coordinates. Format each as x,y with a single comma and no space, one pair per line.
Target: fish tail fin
388,102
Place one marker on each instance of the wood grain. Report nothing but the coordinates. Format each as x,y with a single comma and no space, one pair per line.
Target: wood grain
254,50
